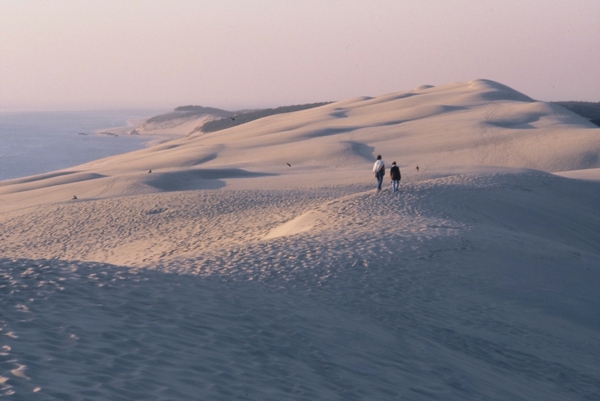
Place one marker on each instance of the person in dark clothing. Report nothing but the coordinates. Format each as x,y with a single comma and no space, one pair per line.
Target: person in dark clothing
395,177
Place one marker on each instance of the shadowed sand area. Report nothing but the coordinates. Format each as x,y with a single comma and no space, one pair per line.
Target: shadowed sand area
259,262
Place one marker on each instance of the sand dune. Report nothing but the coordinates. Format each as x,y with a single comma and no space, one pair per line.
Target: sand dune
258,262
587,174
476,123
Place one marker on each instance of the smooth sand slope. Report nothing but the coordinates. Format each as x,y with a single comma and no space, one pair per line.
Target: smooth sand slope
480,123
227,274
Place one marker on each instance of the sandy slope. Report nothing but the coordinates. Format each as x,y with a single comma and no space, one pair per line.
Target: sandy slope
225,274
475,123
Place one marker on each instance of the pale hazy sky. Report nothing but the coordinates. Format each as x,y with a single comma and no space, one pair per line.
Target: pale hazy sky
110,54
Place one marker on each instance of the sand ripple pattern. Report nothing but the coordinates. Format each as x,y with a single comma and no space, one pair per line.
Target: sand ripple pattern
386,296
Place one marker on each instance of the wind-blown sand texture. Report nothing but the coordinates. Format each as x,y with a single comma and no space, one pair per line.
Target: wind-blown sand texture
226,273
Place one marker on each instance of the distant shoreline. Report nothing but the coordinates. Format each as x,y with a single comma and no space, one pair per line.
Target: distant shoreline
130,130
68,139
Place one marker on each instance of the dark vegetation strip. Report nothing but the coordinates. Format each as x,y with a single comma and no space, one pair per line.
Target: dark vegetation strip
589,110
189,112
242,118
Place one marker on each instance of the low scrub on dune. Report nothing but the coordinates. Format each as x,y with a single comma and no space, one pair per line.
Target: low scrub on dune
589,110
188,112
242,118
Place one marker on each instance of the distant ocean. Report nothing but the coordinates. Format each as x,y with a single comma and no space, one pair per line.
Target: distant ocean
39,142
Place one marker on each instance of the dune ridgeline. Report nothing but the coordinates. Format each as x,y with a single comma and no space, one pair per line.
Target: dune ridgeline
257,260
479,123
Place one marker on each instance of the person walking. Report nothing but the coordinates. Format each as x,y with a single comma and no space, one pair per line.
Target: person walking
379,170
395,177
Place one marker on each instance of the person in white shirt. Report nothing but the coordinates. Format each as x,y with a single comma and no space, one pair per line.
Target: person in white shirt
379,170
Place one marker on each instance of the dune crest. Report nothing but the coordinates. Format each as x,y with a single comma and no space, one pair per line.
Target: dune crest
259,262
480,122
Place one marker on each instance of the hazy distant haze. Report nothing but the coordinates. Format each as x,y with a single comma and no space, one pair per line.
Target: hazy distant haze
264,53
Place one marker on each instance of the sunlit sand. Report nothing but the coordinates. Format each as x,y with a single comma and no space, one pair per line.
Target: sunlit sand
259,262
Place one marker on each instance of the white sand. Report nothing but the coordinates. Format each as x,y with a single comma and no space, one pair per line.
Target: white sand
227,274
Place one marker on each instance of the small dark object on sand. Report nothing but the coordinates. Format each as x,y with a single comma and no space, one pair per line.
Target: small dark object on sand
289,164
149,171
417,169
74,197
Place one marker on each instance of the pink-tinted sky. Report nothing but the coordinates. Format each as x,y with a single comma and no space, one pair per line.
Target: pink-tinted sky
108,54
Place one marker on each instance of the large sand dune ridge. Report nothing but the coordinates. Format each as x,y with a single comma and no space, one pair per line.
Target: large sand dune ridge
476,123
259,262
